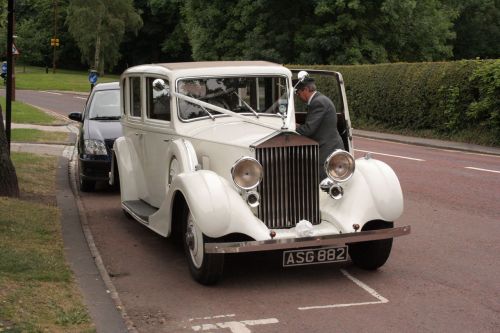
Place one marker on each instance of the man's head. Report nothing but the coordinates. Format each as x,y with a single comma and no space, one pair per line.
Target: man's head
305,89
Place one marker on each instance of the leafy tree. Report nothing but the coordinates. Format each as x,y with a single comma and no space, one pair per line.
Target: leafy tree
243,29
477,28
98,27
322,31
161,38
354,31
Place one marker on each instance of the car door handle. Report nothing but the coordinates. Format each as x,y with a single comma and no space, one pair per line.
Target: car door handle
167,140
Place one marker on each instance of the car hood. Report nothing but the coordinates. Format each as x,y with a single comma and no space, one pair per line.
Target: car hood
233,133
102,129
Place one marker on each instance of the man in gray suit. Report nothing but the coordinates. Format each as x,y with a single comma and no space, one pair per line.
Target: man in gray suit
321,121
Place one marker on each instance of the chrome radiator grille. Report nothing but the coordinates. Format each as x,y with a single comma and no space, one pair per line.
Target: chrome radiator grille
289,190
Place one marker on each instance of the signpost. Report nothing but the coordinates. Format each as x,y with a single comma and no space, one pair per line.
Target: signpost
93,77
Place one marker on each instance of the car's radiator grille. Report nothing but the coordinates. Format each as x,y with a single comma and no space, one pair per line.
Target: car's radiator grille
289,190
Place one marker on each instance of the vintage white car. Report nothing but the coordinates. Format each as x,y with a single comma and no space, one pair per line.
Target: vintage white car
209,153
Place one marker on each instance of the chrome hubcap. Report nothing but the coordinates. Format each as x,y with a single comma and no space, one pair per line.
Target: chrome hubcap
194,242
190,238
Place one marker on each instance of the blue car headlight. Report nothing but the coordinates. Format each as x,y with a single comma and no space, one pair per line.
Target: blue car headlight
94,147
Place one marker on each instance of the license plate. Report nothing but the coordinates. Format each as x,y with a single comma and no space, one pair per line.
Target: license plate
321,255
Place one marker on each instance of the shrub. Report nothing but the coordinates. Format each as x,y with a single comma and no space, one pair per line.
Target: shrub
448,99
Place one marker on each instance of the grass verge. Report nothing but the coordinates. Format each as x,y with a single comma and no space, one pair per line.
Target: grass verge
37,290
27,114
35,78
38,136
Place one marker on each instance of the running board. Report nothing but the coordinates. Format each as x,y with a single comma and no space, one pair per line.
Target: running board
139,209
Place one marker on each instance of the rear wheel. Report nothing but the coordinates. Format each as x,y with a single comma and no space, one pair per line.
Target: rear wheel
372,254
206,268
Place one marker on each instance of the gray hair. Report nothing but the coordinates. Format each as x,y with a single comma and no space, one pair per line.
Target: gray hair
310,85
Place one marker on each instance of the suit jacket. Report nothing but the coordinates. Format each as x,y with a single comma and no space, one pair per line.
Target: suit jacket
321,126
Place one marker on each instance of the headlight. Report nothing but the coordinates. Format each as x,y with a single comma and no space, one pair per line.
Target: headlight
246,173
339,166
94,147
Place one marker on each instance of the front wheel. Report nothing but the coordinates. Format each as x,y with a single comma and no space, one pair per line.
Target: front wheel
86,185
372,254
206,268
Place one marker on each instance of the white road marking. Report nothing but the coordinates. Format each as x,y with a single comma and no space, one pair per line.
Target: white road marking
371,291
235,326
84,98
397,156
51,92
213,317
479,169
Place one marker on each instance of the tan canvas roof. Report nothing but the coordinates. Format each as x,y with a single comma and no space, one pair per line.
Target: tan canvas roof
212,64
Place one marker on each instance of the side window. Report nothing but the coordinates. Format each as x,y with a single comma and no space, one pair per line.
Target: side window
158,97
135,96
124,88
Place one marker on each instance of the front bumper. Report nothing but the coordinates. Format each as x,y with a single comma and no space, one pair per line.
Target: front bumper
294,243
93,169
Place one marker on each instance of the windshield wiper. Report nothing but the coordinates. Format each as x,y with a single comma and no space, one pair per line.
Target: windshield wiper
245,103
209,114
203,108
105,118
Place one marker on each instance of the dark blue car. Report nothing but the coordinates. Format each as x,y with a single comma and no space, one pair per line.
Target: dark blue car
100,127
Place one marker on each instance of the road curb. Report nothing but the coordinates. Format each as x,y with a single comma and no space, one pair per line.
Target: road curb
93,248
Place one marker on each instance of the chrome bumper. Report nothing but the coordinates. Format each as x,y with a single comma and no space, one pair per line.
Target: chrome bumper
294,243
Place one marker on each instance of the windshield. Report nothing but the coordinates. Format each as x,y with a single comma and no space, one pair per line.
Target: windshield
264,95
105,105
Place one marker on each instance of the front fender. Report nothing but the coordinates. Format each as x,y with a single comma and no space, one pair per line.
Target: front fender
373,193
217,207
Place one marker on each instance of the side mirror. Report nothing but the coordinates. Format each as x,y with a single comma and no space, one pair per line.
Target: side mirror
302,75
160,86
76,116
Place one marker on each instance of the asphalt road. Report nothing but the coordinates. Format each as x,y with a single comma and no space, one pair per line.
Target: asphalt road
441,278
60,102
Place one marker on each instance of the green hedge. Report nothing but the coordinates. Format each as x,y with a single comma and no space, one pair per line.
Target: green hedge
456,100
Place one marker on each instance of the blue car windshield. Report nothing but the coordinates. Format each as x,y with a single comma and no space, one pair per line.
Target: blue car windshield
105,105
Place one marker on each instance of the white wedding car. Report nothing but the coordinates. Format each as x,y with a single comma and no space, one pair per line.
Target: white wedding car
209,153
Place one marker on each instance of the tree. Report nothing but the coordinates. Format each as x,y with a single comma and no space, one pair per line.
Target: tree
354,32
322,31
98,27
477,28
161,38
243,29
8,179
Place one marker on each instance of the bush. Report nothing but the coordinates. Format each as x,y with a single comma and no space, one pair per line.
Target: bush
453,100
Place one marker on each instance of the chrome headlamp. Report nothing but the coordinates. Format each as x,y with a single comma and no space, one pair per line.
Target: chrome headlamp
246,173
339,166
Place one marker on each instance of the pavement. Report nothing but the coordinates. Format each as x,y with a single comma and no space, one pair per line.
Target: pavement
98,291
